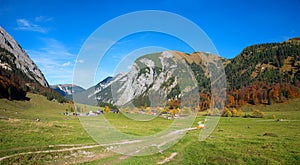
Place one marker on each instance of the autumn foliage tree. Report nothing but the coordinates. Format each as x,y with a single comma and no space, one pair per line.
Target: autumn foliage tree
106,109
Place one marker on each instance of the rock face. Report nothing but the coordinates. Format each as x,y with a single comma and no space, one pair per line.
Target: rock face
160,76
157,77
20,59
153,79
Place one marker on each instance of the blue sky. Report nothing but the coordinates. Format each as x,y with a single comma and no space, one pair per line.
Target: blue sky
53,32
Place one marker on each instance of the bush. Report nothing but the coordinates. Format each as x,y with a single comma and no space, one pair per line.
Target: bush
239,113
227,114
106,109
257,114
232,112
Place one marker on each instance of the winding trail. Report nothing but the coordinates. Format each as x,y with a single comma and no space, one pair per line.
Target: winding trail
89,146
81,146
51,151
74,147
168,158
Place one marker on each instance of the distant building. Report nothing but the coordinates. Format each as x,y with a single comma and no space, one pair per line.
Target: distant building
91,113
98,112
114,111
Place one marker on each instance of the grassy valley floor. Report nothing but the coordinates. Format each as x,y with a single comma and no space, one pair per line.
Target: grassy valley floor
61,139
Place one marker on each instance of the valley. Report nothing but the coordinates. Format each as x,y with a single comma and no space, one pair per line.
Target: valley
61,139
156,112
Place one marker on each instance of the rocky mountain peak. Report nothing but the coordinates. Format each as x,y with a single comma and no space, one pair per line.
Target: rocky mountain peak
21,59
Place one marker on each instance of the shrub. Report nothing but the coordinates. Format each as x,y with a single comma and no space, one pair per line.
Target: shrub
227,114
239,113
234,112
257,114
106,109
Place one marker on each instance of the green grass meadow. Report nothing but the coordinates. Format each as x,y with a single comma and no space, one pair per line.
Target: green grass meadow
235,140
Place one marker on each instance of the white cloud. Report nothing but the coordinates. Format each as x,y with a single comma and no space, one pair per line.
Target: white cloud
43,19
66,64
24,24
54,60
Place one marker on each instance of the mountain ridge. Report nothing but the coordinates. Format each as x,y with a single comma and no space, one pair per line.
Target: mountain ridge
19,74
157,74
21,60
275,64
66,89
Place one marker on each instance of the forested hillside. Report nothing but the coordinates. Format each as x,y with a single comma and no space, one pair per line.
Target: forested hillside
14,83
264,74
19,74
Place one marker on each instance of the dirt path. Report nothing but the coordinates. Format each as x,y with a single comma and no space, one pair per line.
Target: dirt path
89,146
50,151
167,159
74,147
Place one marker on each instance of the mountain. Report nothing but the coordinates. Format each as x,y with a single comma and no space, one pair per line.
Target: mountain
260,74
264,74
89,96
156,75
67,89
19,74
17,59
270,63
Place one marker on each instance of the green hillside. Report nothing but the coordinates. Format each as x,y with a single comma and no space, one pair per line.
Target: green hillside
270,63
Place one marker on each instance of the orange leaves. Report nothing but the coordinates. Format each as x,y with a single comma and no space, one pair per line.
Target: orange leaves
230,101
262,93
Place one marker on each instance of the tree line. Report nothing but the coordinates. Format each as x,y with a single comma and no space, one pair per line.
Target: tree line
14,84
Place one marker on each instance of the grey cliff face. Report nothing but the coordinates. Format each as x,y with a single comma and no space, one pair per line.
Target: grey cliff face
21,60
152,75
